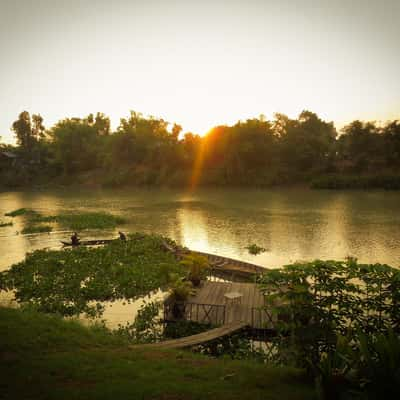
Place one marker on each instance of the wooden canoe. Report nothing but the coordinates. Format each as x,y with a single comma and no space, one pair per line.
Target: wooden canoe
89,242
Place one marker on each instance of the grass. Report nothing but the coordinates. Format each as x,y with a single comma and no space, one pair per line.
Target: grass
45,357
37,229
3,224
94,220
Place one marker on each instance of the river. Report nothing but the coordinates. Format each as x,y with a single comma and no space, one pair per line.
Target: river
291,224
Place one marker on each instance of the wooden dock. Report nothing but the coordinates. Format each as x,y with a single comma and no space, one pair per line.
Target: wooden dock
231,265
193,340
210,306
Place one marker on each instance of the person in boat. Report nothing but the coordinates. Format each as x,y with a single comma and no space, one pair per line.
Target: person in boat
122,235
75,239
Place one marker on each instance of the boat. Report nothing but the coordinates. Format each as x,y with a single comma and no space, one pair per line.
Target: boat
89,242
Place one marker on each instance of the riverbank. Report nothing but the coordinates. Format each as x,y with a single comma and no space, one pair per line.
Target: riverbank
49,358
147,177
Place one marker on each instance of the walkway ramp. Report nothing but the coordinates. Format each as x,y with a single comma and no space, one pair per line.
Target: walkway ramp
193,340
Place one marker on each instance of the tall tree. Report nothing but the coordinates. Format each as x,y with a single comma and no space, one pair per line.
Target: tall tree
29,131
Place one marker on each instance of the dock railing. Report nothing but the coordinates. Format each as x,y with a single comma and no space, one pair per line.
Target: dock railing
210,314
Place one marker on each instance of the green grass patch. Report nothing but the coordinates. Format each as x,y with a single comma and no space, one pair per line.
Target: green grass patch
48,358
69,281
95,220
37,229
3,224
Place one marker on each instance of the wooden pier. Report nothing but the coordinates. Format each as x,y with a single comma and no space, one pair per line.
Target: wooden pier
226,306
210,306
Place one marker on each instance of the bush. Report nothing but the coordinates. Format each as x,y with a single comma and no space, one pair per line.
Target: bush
323,307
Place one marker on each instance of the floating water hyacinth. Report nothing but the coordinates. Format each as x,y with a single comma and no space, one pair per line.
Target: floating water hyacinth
254,249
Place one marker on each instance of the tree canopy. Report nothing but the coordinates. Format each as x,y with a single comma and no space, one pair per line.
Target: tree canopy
257,151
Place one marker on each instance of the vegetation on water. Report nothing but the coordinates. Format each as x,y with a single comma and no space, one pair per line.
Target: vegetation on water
75,221
341,321
75,281
254,249
47,357
36,229
255,152
20,211
3,224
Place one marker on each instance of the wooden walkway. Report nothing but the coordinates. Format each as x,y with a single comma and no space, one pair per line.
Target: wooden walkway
193,340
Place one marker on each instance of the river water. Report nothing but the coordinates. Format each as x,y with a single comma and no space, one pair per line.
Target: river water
291,224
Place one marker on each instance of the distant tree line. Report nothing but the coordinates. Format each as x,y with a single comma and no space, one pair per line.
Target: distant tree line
256,152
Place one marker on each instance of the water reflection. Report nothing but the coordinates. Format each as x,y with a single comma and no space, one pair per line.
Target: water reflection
291,224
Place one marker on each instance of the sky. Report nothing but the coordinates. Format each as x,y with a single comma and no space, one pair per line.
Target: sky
199,63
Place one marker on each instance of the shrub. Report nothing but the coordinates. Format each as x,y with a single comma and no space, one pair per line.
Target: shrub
198,267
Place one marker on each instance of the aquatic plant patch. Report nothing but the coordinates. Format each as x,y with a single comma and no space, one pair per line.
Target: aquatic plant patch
3,224
20,211
254,249
95,220
74,221
74,281
36,229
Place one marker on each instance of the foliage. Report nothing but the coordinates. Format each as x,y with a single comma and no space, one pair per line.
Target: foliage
197,265
146,328
29,131
181,328
340,320
236,346
76,281
37,229
254,249
76,142
256,152
378,364
181,289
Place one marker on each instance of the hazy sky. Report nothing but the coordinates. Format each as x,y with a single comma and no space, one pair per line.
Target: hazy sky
199,63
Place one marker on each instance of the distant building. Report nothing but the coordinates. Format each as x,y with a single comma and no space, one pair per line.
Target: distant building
8,158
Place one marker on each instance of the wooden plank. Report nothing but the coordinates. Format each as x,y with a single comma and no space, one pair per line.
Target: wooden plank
188,341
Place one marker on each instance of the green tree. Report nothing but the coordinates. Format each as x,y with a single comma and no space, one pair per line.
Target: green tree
307,144
30,133
75,144
361,147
